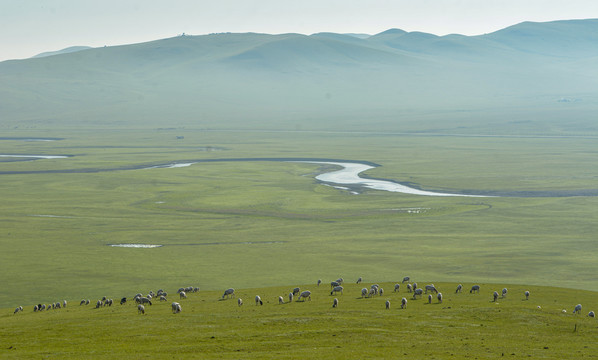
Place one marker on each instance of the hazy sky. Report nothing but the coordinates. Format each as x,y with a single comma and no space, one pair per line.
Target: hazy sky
29,27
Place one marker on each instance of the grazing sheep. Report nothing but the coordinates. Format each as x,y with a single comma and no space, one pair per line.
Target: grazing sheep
577,308
291,297
527,295
337,289
359,280
319,282
305,295
439,297
495,295
405,279
397,287
364,292
229,292
140,309
239,301
591,314
409,288
104,298
335,302
459,288
182,295
99,304
416,292
123,301
403,303
82,302
180,290
563,311
163,298
35,308
63,303
280,300
334,284
387,304
87,302
430,299
108,302
504,292
431,288
176,308
145,300
381,291
57,305
372,292
17,309
340,281
296,291
258,300
43,307
474,289
196,289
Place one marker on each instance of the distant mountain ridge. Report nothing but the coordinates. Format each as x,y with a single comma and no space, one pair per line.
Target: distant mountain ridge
63,51
232,79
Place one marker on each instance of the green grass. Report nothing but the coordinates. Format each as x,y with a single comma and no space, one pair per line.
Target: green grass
257,224
463,326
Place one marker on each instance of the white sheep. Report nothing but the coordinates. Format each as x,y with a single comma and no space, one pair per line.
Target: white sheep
335,302
380,291
291,297
183,295
459,288
495,295
387,304
403,303
474,289
176,308
359,280
296,291
319,282
63,303
504,292
527,295
372,292
405,279
140,309
337,289
409,288
258,300
280,300
397,287
163,298
577,308
430,299
431,288
340,280
591,314
239,301
305,295
416,292
18,309
82,302
334,284
229,292
439,297
364,292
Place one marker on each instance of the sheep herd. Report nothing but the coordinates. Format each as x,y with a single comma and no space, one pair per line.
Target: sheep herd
336,287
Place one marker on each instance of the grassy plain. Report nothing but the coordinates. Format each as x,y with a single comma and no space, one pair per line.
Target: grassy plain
257,224
462,326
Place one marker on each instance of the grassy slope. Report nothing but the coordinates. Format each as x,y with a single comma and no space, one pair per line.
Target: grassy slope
463,326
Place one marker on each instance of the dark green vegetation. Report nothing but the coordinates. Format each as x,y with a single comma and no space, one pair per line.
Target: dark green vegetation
462,326
513,111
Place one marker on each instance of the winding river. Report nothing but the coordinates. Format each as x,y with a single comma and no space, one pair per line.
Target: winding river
347,178
349,175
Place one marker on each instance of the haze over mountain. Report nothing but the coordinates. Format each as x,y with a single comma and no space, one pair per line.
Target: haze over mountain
539,78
